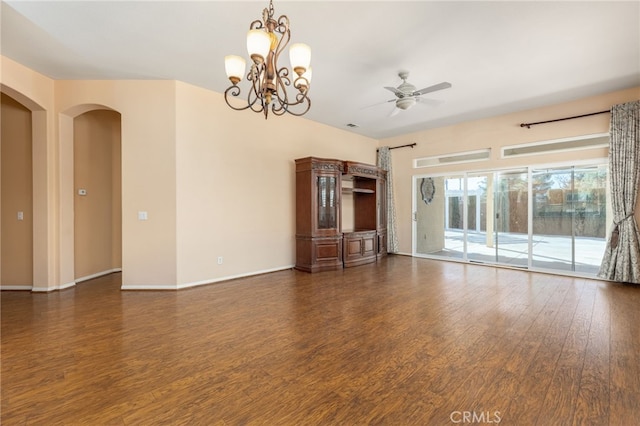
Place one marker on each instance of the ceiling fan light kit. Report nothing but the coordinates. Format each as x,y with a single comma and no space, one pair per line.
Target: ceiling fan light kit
405,103
407,95
266,40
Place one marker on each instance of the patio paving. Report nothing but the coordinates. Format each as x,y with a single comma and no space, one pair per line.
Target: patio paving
552,252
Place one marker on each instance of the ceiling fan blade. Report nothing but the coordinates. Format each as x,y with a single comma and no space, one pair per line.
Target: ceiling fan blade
379,103
435,87
395,91
429,102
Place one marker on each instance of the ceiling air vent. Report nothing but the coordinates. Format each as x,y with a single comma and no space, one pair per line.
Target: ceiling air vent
558,145
460,157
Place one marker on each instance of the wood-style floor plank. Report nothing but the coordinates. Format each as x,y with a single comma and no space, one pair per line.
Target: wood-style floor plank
592,404
407,341
624,358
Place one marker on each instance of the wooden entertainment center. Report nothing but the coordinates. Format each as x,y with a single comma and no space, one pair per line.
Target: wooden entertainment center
321,243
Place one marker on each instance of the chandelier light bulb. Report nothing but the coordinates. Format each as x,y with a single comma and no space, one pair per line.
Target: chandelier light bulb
258,45
300,57
235,67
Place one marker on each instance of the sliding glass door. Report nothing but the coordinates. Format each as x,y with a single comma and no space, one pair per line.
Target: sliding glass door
511,201
481,241
542,218
569,218
497,217
438,216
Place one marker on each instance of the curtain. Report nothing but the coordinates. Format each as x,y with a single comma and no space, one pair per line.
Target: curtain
621,261
384,162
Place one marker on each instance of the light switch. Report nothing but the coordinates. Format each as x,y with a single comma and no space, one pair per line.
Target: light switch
142,216
20,215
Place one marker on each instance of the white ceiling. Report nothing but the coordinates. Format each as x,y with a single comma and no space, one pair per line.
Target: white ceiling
499,56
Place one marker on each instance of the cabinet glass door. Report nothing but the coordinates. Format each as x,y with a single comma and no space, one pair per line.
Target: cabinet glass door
327,202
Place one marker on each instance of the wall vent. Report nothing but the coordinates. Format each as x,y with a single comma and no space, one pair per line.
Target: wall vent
446,159
558,145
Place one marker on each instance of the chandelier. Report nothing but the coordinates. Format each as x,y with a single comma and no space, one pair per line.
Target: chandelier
266,40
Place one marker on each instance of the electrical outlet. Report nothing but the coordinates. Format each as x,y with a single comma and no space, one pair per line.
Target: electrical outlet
220,259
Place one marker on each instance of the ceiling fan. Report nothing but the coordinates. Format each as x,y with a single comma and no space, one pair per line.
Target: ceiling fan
407,95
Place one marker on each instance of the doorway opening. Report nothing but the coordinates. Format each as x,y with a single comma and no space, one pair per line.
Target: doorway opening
16,217
97,182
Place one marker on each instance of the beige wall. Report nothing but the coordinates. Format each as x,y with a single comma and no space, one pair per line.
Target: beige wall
235,184
97,215
495,133
16,195
36,92
148,154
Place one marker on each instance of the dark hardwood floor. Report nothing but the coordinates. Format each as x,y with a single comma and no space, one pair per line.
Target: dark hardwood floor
405,342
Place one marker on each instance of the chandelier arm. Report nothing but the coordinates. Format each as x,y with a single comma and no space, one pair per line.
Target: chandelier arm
302,81
279,107
256,25
285,105
233,91
256,77
282,81
283,25
304,99
301,98
255,100
288,108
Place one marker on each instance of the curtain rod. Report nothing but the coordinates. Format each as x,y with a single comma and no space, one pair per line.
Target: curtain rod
409,145
528,125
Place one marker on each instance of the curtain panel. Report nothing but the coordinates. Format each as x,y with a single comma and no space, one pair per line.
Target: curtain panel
384,162
621,261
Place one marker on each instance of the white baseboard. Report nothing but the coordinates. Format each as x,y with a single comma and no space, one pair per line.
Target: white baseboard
99,274
16,287
148,287
233,277
204,282
67,285
48,289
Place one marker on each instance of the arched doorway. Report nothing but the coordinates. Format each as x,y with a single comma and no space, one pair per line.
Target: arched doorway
16,195
97,198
